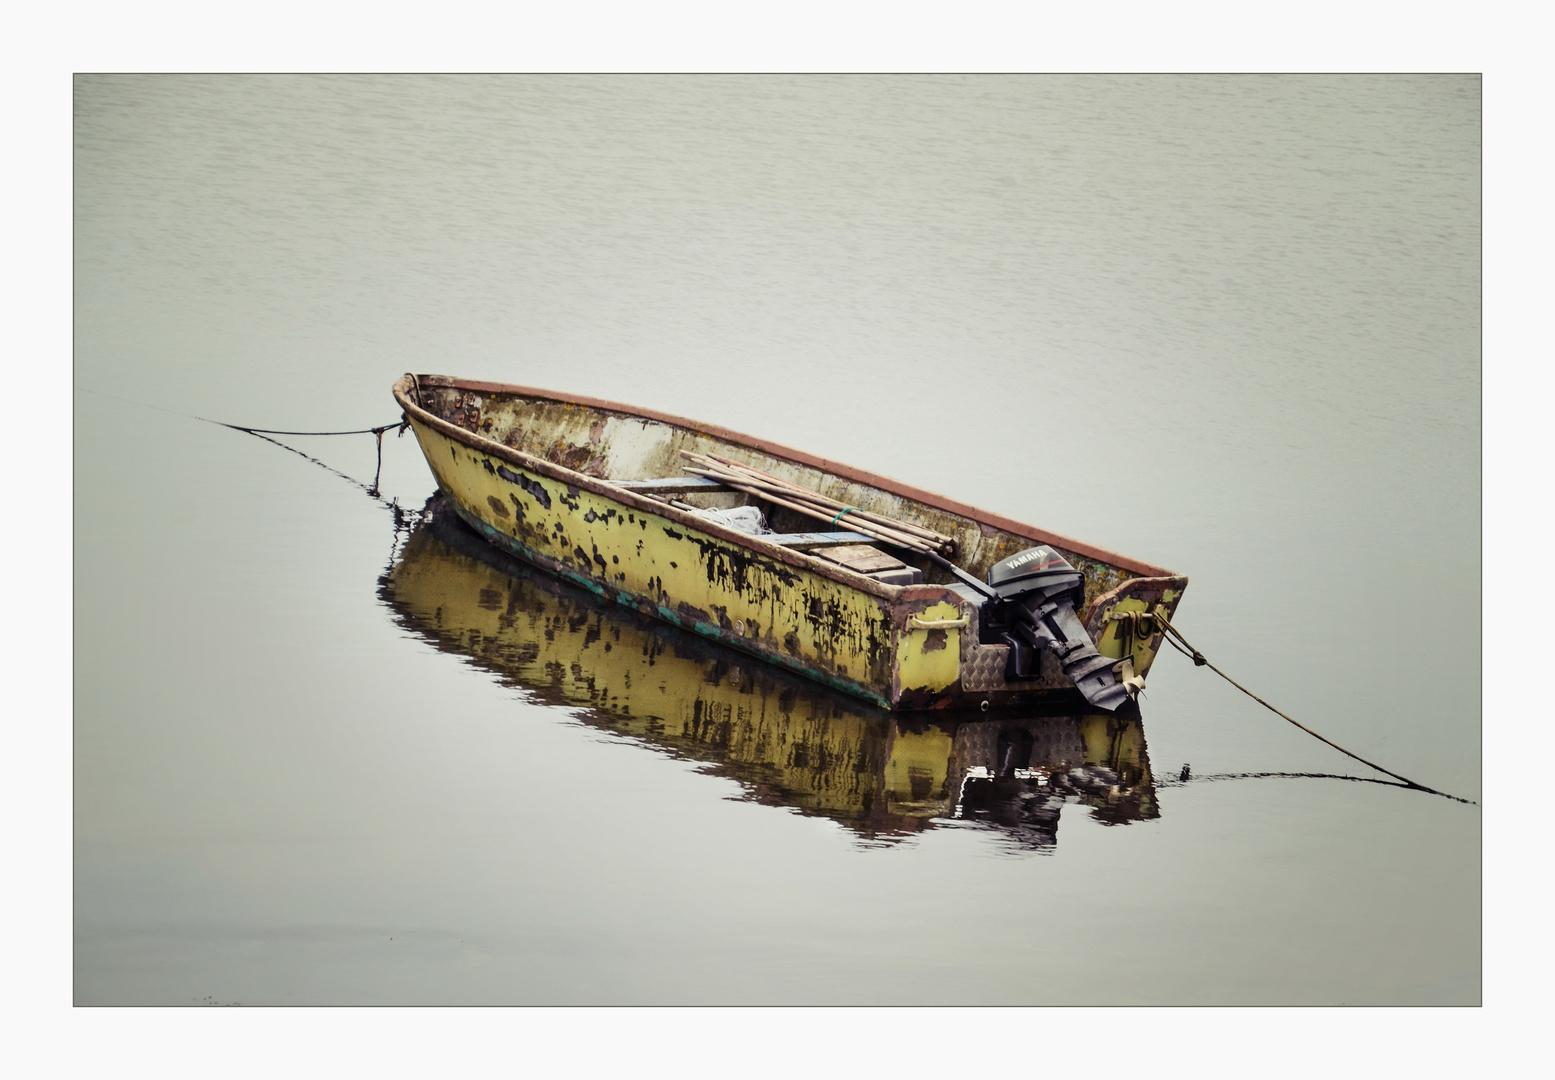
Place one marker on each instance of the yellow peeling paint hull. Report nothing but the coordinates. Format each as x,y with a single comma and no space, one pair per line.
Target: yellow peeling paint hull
527,472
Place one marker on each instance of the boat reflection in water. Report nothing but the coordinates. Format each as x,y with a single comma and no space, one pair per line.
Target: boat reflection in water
786,740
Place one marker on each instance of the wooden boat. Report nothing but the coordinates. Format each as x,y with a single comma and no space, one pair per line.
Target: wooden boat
788,741
600,494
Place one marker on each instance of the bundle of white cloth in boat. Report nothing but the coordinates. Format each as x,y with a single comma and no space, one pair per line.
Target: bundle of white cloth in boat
745,519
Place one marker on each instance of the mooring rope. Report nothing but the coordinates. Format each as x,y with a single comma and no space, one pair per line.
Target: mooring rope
270,431
1170,632
377,432
370,489
1208,778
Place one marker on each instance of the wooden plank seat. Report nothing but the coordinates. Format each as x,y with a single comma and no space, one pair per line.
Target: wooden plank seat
871,562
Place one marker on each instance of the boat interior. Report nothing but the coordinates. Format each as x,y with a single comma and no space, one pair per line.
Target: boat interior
644,454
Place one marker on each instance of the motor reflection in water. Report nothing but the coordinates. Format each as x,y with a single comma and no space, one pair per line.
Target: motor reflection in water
786,740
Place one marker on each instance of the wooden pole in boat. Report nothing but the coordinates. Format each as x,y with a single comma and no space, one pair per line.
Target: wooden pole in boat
912,543
815,496
868,528
853,511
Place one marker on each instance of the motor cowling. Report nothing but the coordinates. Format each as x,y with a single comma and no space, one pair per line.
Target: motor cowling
1038,594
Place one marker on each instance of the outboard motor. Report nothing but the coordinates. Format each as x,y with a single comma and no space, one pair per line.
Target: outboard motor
1038,594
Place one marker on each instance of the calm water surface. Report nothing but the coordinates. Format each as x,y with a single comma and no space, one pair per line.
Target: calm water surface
328,750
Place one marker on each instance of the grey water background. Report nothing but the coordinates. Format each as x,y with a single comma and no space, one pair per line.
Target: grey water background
1230,325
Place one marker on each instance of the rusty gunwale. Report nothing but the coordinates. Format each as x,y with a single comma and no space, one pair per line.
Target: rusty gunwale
562,474
847,472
